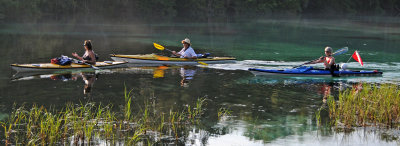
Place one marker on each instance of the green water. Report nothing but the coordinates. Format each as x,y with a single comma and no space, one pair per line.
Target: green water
265,109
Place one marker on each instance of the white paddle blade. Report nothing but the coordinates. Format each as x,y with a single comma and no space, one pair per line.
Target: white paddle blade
341,51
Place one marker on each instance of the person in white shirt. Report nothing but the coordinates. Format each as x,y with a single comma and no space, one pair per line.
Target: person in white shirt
187,51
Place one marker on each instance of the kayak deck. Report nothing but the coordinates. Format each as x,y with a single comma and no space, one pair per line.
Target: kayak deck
50,66
157,59
309,71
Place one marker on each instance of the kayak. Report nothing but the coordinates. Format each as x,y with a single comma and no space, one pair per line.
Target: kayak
310,71
51,66
157,59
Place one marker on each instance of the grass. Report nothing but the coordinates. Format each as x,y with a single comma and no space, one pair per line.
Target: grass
81,123
371,105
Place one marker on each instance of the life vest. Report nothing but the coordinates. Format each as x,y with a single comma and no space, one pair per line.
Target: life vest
327,61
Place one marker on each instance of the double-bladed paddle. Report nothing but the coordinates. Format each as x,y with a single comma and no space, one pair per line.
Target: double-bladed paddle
338,52
159,47
81,62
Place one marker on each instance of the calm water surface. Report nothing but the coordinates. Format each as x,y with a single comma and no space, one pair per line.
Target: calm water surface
266,110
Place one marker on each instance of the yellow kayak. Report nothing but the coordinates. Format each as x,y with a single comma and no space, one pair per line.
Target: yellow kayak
157,59
50,66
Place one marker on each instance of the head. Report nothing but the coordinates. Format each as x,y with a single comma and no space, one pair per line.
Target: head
328,51
186,43
88,44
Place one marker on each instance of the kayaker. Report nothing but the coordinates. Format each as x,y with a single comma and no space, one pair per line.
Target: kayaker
187,51
328,60
89,56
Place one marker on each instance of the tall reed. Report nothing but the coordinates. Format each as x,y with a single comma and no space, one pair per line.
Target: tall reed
84,122
371,105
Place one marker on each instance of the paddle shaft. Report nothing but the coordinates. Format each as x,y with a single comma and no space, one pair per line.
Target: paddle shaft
168,50
94,67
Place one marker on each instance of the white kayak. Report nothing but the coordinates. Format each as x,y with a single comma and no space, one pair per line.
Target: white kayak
54,67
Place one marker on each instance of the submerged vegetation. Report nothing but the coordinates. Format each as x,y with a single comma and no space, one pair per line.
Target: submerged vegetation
366,105
88,123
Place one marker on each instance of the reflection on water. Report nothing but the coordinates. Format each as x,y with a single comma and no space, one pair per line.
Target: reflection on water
88,78
266,109
187,74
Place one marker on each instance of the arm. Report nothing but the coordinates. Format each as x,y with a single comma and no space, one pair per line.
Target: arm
179,53
77,56
176,54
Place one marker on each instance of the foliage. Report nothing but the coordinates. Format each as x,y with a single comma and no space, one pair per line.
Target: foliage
198,9
371,105
88,123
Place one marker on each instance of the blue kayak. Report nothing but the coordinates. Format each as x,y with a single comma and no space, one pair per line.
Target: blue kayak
310,71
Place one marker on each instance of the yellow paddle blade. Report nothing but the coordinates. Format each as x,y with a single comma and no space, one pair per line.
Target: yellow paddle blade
159,47
202,63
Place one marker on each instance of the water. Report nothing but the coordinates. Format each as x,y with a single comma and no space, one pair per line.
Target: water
266,110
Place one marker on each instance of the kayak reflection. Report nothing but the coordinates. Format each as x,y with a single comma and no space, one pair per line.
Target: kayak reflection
161,71
88,78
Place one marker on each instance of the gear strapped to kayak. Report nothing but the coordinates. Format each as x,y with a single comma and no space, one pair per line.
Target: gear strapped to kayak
63,60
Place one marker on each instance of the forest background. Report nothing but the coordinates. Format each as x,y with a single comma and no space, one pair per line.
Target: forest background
194,10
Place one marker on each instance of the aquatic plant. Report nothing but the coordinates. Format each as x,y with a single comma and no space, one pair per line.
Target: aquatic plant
368,105
84,122
223,113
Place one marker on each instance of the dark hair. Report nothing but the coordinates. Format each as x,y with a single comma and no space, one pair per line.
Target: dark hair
88,44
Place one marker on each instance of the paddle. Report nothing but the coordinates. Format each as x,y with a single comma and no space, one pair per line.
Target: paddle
159,47
338,52
80,62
